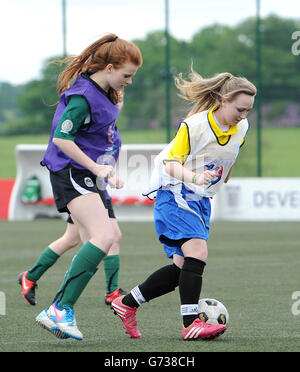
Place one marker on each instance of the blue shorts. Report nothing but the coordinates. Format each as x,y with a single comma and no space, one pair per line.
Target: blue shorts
176,218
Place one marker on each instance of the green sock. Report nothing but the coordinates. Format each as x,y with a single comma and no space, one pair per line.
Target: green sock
83,267
111,269
60,291
46,260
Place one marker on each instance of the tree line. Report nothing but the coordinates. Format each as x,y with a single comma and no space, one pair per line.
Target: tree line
29,108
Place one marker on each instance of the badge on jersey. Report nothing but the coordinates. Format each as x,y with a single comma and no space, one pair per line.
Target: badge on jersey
66,126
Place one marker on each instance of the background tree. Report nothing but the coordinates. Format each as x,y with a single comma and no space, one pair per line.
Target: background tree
216,48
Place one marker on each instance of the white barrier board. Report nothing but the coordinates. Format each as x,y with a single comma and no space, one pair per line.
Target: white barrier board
28,159
242,199
259,199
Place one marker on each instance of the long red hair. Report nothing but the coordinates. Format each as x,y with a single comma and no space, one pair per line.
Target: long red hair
108,49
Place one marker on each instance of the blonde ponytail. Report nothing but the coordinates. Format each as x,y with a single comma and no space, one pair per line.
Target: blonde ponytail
205,93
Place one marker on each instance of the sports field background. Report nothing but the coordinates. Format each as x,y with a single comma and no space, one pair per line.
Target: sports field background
280,150
253,268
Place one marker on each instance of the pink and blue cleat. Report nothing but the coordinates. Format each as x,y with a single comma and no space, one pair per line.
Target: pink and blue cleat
60,321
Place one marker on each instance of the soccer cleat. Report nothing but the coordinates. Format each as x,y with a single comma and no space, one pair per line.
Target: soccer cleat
199,329
28,288
110,297
45,322
128,317
64,319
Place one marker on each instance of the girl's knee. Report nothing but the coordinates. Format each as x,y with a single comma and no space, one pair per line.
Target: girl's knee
196,248
103,240
71,240
117,237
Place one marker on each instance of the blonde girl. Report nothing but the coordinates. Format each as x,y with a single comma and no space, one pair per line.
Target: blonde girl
188,172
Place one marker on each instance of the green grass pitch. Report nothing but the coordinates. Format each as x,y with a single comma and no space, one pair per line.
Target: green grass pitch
253,268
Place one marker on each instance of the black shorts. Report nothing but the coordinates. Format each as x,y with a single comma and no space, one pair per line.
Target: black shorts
69,183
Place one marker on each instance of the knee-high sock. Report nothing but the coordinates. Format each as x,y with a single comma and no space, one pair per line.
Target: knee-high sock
46,260
82,269
190,285
111,265
161,282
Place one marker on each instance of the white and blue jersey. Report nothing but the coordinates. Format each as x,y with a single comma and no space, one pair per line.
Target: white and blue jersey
182,210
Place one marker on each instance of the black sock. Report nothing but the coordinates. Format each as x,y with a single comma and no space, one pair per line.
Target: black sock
129,300
190,284
161,282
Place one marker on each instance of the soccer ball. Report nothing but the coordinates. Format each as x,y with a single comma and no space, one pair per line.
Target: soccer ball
213,311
